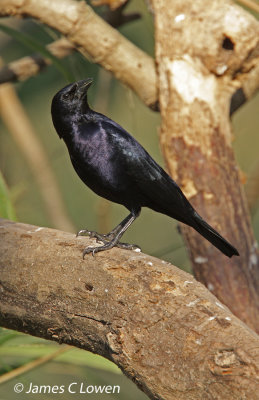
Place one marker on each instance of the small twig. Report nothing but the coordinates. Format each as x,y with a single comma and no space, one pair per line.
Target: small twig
112,4
115,15
246,81
29,66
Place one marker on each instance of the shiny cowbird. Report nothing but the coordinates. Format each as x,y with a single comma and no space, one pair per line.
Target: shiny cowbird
115,166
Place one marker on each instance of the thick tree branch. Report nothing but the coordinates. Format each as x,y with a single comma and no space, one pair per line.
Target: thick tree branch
166,331
94,38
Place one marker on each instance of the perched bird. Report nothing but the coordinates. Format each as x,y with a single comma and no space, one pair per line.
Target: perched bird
115,166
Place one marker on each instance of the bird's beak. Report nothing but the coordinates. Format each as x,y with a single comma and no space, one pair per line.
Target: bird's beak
83,86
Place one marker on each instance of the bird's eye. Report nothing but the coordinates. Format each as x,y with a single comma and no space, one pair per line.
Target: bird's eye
66,96
69,95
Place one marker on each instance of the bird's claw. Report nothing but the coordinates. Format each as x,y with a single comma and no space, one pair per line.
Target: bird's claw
95,250
83,232
89,250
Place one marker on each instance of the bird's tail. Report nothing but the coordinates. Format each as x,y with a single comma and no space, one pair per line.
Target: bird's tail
213,236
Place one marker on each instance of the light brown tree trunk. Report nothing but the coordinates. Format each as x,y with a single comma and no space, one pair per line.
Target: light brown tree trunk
165,330
201,46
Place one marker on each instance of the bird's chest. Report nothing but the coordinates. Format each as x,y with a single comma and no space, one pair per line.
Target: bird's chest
96,162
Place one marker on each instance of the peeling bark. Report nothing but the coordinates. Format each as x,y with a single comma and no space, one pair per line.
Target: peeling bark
197,78
165,330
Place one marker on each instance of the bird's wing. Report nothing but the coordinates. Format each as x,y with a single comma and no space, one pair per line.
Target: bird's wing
149,175
152,181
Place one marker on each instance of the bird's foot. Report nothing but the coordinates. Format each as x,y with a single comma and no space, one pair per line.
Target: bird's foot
109,241
109,245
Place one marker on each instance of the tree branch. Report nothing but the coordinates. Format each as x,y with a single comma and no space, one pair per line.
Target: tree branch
166,331
94,38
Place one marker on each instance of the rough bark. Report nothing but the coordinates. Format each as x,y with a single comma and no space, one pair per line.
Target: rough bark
197,71
166,331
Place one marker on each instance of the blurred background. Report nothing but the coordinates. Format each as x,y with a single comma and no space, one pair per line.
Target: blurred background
39,186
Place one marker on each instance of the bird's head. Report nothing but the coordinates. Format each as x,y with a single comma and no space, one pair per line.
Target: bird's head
72,98
69,102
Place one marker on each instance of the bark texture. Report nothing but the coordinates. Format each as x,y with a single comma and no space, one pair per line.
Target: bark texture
211,43
166,331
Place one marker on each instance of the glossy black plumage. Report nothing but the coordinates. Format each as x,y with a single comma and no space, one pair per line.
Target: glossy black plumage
115,166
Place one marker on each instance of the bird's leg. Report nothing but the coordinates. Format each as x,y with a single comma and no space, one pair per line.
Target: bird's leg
115,236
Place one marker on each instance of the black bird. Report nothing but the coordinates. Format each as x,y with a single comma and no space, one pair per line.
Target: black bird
115,166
